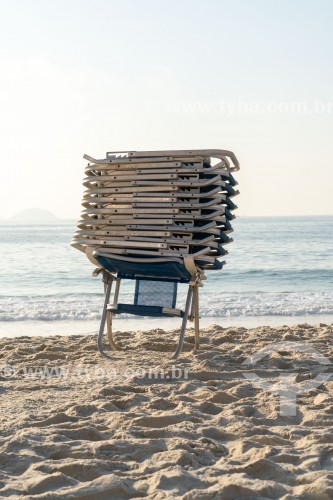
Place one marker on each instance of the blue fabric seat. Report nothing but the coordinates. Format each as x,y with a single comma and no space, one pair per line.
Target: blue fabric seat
140,310
164,270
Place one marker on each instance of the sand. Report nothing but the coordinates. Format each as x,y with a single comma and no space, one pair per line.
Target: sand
76,426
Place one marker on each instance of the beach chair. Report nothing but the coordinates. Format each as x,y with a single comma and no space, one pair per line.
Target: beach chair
159,218
156,284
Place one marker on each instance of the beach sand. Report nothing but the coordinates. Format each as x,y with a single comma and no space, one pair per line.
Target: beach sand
77,426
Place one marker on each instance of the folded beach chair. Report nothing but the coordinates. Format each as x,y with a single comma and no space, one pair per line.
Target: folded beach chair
159,218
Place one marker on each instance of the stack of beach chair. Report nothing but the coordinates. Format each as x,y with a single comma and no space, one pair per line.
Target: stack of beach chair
158,206
160,218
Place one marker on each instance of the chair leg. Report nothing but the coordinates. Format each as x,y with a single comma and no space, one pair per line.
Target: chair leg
196,316
184,322
112,343
103,319
191,313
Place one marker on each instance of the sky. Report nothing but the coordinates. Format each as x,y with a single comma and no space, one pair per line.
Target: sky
251,76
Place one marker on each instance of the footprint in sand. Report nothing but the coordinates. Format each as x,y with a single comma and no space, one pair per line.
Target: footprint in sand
58,418
222,397
41,484
159,421
49,356
82,434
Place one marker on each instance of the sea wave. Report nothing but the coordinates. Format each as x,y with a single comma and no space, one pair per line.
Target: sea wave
88,307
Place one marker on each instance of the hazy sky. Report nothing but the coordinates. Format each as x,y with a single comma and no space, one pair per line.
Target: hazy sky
255,77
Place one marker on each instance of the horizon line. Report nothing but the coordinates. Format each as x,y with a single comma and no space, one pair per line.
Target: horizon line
71,219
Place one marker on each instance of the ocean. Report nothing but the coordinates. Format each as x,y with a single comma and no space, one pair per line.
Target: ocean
279,271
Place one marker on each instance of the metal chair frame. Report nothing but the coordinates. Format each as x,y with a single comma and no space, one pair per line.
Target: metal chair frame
191,313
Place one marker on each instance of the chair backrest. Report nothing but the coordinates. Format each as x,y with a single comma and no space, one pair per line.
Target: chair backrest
155,293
